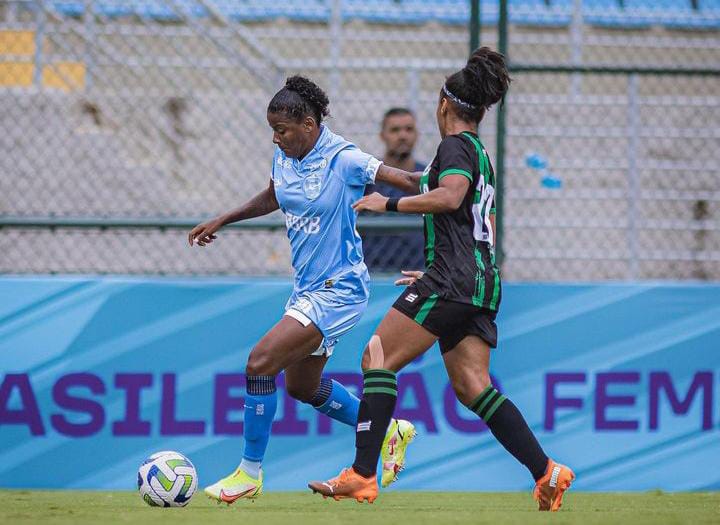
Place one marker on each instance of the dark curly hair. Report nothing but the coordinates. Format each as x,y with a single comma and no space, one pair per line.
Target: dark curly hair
481,83
300,98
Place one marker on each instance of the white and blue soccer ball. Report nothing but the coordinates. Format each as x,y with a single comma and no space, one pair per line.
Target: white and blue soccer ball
167,479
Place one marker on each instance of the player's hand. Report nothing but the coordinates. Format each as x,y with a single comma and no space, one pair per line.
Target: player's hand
410,277
373,202
204,233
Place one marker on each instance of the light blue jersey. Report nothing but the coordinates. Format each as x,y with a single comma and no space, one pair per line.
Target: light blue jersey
316,194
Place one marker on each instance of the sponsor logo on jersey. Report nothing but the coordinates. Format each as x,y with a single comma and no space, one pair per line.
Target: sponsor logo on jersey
319,166
309,225
302,305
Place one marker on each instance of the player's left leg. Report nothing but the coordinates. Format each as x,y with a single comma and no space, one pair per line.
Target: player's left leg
467,364
396,342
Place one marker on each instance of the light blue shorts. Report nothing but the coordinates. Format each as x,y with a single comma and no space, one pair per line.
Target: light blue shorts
330,311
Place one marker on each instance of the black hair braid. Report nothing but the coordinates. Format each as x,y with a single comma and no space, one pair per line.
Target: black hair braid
481,83
299,98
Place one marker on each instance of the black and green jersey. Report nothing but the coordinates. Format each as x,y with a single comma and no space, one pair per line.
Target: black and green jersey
459,253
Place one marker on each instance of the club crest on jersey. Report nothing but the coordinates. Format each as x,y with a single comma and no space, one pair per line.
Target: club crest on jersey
312,185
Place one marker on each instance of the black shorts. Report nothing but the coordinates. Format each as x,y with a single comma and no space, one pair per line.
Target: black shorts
449,320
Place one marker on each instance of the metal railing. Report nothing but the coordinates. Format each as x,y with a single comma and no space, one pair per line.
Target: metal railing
168,125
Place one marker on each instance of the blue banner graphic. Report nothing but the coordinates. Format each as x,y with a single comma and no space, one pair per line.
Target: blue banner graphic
618,381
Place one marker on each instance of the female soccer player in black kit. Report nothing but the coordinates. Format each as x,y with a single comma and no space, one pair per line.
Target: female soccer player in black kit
456,299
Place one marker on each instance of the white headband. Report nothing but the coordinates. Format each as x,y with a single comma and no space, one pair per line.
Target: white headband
456,99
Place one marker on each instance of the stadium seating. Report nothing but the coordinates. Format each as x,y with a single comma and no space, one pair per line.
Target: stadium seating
17,69
608,13
646,13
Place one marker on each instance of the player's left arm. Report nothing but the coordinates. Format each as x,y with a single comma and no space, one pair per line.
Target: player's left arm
447,197
403,180
455,165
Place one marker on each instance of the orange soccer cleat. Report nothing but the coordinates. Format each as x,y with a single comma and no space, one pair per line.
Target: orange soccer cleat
550,488
348,484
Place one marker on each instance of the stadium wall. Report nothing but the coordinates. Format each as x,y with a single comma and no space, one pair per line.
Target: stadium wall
621,381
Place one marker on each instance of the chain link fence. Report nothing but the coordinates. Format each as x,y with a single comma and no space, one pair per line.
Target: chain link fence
139,117
620,180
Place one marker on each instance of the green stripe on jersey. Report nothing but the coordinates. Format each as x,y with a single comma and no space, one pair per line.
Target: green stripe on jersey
456,171
428,220
482,158
496,284
430,243
479,296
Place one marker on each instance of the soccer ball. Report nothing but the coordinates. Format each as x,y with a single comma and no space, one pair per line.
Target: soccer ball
167,479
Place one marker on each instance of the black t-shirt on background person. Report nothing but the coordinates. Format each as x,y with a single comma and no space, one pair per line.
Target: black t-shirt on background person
392,252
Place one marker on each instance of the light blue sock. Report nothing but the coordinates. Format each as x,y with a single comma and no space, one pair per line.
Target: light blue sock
260,406
335,401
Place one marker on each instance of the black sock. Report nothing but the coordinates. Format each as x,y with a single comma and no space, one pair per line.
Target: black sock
509,427
322,393
376,409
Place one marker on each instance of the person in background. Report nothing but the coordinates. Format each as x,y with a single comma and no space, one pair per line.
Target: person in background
391,252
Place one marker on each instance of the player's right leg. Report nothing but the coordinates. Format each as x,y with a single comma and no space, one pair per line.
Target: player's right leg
397,341
286,343
467,364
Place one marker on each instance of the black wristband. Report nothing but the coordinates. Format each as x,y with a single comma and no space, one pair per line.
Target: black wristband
392,204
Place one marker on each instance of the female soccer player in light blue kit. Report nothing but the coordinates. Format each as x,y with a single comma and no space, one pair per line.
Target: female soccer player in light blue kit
316,176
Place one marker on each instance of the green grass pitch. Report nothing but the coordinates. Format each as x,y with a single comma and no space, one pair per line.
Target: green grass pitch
396,508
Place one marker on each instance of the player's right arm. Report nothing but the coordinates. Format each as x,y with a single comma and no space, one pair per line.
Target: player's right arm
400,179
261,204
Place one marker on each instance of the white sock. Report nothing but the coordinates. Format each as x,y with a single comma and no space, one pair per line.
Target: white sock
251,468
